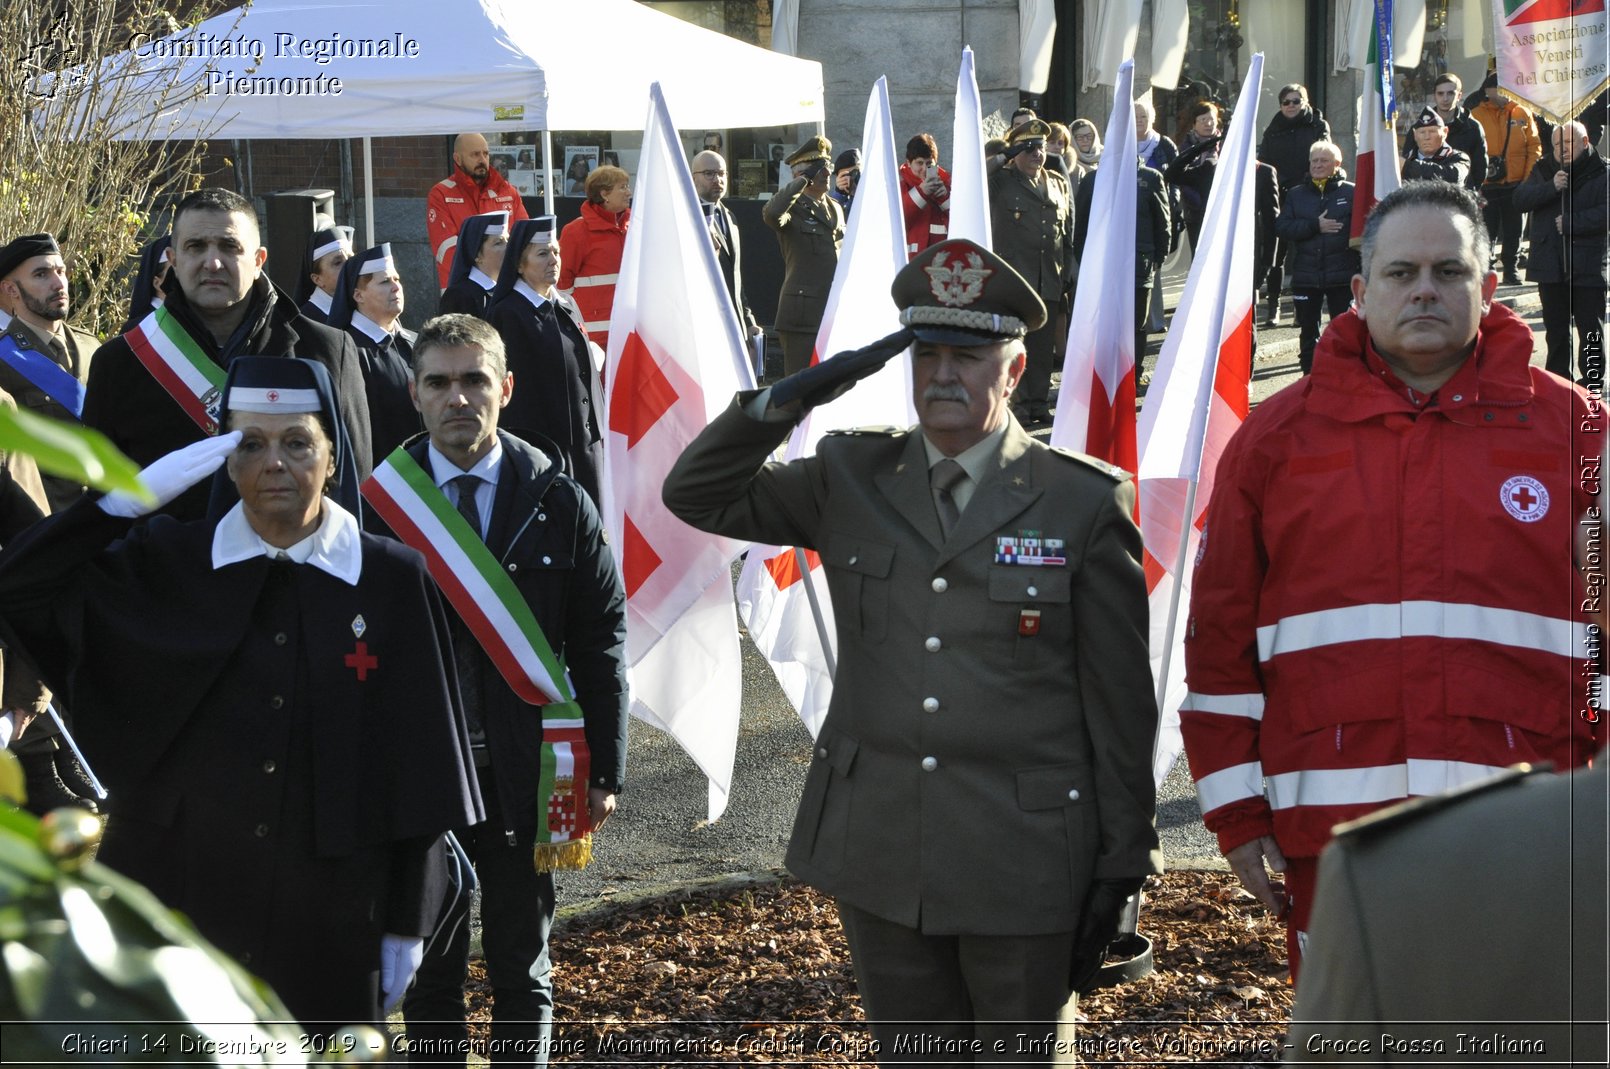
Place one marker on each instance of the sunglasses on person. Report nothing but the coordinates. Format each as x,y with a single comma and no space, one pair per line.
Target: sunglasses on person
1291,102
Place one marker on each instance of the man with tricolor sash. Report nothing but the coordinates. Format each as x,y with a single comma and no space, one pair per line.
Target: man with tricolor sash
518,549
156,387
43,361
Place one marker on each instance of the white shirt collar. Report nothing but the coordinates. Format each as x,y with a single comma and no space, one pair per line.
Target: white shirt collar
445,471
333,548
320,300
537,300
482,279
371,328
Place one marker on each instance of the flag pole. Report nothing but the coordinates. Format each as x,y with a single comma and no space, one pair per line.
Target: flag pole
1173,613
816,614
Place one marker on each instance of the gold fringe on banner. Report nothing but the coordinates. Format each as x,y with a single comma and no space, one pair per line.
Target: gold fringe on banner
569,856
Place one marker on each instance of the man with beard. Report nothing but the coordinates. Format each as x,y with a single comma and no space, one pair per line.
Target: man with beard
156,387
43,361
474,188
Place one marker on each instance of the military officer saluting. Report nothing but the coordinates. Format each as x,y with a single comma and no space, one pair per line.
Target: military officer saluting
980,797
43,361
1031,218
810,226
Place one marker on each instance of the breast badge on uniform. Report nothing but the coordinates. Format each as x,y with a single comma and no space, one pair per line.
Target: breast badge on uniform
1524,498
1028,549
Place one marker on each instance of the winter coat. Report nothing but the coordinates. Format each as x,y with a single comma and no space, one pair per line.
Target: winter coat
1575,253
1286,142
1318,261
1522,147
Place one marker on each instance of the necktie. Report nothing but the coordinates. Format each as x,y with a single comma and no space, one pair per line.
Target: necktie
944,477
466,485
465,646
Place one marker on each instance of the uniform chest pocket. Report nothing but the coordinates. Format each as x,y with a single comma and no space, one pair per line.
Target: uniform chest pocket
1034,607
858,575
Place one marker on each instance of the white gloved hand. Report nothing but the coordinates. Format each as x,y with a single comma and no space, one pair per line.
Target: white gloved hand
172,475
400,956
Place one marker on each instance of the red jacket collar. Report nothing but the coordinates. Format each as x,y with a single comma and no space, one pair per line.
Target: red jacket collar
494,181
596,218
1351,383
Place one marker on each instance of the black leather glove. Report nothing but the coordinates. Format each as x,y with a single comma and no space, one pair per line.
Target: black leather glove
820,383
1017,149
1098,926
810,173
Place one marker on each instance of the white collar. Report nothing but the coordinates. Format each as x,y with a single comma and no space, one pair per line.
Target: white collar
445,471
537,300
320,300
334,548
374,330
482,279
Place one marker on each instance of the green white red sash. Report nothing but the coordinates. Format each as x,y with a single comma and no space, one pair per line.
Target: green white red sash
490,605
174,359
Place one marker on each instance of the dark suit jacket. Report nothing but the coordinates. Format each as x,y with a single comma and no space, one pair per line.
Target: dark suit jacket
729,251
548,536
968,778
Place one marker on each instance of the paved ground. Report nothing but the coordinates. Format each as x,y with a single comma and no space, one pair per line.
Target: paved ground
659,839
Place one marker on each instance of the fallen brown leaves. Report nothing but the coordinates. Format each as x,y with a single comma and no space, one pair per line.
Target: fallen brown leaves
761,975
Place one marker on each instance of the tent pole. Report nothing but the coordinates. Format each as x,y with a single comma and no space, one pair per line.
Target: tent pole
369,191
547,163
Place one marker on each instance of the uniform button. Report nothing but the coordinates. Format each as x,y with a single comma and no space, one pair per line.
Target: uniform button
513,567
269,766
930,763
1458,397
933,644
1033,591
1073,795
1488,416
541,516
547,560
853,559
821,751
940,586
261,831
276,702
930,705
280,639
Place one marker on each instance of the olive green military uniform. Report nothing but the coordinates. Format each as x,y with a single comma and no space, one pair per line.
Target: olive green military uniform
1032,224
1462,928
72,351
810,231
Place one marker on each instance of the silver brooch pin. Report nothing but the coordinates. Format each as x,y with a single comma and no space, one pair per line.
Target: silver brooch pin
358,626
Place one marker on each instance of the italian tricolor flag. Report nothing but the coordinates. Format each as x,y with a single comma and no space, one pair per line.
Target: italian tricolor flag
1377,162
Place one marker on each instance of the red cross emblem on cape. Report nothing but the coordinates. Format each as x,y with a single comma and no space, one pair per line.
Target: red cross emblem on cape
362,661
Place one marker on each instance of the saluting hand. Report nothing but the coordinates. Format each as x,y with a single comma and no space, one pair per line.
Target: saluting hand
172,475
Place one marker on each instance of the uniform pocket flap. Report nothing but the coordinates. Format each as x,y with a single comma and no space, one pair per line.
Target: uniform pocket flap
838,751
1053,787
856,553
1053,583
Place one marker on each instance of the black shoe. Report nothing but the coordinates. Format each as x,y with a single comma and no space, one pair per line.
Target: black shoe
1512,279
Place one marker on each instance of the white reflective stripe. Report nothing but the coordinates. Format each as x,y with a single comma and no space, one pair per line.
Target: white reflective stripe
1411,619
597,324
1247,705
1338,786
1382,783
596,280
447,246
1434,777
1229,785
937,228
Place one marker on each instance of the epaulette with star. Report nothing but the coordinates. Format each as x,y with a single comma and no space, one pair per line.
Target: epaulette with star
1111,471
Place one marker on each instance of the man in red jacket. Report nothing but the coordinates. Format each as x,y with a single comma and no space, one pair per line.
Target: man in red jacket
1385,604
473,188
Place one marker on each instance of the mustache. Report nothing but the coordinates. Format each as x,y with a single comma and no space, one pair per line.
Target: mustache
947,393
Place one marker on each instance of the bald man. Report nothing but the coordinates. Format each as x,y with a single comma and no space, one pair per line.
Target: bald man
710,179
473,188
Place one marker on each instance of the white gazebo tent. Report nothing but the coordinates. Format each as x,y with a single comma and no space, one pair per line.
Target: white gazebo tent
361,68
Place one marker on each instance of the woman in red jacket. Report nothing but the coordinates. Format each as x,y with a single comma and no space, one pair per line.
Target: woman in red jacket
590,249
